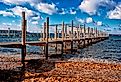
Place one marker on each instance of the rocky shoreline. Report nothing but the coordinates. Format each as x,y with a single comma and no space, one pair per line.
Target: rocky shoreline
70,71
56,70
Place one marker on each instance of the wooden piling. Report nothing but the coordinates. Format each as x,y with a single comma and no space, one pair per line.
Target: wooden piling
44,36
88,41
72,36
88,32
63,31
23,37
78,32
8,32
79,37
56,29
84,41
47,37
84,30
62,38
44,29
96,32
56,36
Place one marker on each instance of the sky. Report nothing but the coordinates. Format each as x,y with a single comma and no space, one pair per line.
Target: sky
103,14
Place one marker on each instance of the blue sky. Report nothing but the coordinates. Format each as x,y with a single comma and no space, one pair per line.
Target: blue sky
103,14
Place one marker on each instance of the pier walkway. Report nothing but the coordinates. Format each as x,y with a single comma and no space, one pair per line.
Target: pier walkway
67,40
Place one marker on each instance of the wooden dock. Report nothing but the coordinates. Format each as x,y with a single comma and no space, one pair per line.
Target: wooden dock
77,35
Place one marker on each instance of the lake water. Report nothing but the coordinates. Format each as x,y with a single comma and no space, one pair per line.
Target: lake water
109,49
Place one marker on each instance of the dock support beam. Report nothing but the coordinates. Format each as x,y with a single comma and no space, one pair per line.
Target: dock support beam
47,36
23,38
8,32
72,36
62,37
84,43
56,36
44,35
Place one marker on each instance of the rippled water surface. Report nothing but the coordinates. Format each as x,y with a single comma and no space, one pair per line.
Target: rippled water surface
109,49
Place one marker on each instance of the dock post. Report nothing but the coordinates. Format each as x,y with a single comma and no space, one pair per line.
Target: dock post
96,31
88,36
65,30
96,34
44,29
44,35
47,36
84,36
14,33
56,36
65,35
23,37
78,35
72,36
91,35
62,31
8,32
62,37
78,32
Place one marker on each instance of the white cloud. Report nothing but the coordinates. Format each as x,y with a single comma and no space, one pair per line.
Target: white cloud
91,6
4,23
63,11
116,13
13,21
7,24
32,2
18,11
34,22
30,15
36,18
47,8
89,20
72,12
80,20
5,13
99,23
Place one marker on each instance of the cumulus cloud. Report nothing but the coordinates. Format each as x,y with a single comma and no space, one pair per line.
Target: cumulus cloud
89,20
36,18
116,13
34,22
99,23
91,6
47,8
62,11
32,2
80,20
38,4
5,13
18,10
13,21
4,23
72,11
